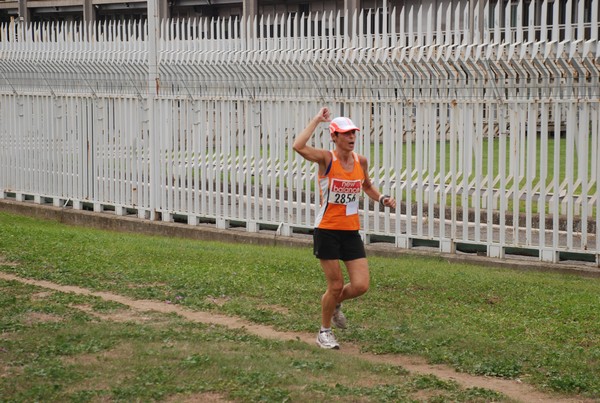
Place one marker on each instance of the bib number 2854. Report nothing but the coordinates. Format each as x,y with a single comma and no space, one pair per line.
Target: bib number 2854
344,198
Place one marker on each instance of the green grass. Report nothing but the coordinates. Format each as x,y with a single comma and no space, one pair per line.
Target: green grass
542,328
52,350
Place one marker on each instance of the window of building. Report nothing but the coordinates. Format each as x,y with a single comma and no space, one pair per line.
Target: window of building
304,9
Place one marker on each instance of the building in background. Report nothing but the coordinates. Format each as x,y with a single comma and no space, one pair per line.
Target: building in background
94,10
509,15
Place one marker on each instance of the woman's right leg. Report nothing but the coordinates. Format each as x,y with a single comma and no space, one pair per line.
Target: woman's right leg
335,285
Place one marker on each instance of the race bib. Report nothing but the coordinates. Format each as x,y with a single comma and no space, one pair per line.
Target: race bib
345,192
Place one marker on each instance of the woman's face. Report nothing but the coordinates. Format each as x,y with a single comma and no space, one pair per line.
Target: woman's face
346,140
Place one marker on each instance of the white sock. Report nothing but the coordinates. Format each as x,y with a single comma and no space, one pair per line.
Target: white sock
325,329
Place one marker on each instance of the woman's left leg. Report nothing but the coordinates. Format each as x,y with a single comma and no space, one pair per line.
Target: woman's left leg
358,272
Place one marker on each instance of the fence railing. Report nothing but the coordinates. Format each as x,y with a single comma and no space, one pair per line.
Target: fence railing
485,143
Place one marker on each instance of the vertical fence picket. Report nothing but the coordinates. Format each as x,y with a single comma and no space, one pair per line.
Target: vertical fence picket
79,151
502,174
86,152
125,157
215,160
143,161
263,164
542,203
115,172
419,163
201,136
596,172
43,108
221,174
256,160
185,160
388,157
19,150
273,140
479,169
582,172
572,129
104,153
452,173
492,113
446,241
5,100
556,178
464,162
179,163
375,123
241,157
158,190
531,168
108,150
248,155
128,185
70,162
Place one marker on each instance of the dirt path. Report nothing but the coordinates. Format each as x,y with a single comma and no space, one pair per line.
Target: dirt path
513,389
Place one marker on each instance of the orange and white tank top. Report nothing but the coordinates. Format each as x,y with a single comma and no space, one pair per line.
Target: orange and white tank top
339,191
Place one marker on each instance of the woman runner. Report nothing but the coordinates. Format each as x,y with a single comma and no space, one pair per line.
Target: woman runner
342,175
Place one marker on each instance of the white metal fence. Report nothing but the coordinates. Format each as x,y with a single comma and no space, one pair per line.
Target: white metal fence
488,140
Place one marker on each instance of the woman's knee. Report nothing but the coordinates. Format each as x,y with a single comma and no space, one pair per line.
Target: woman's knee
361,287
335,287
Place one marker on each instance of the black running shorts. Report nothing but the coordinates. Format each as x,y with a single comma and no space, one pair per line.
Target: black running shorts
335,244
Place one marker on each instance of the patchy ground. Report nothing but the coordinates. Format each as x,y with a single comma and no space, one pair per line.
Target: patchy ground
513,389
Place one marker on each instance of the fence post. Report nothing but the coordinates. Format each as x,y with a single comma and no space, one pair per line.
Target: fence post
151,97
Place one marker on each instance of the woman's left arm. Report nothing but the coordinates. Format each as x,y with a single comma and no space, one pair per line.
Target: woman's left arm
370,190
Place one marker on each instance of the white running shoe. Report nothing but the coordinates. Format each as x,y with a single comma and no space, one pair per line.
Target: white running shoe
327,340
338,319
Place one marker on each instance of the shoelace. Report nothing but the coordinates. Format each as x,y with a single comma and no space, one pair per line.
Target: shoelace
328,336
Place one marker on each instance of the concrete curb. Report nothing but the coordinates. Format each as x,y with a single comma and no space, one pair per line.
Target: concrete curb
207,232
